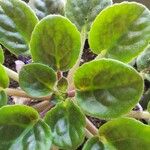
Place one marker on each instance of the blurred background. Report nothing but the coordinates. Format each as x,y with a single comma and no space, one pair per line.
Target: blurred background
145,2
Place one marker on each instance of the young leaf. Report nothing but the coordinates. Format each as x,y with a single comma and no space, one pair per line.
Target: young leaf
83,12
43,8
125,133
62,85
3,98
17,22
55,42
108,87
93,144
143,60
20,128
121,31
67,124
4,79
1,55
37,79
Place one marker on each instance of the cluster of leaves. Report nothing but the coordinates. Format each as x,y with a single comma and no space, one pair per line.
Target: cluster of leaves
108,85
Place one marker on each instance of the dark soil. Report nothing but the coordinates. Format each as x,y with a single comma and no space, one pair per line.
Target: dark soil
10,63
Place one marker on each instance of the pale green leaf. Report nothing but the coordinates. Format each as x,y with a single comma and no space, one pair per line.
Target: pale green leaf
55,42
121,31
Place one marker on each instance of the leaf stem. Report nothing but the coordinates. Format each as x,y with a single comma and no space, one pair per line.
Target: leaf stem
20,93
139,115
41,106
59,75
12,74
74,68
90,127
88,134
55,148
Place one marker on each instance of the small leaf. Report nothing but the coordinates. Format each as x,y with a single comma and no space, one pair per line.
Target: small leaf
1,55
67,124
3,98
93,144
20,128
55,42
43,8
107,88
121,31
125,133
143,60
37,79
17,22
62,85
4,79
83,12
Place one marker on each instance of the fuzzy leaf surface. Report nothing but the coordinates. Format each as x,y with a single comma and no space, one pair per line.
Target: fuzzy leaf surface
37,137
14,120
121,31
4,79
67,123
43,8
55,42
108,87
37,79
93,144
3,98
17,22
143,60
83,12
125,133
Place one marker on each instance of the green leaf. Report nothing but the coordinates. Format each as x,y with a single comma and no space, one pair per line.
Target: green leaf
108,87
93,144
37,79
121,31
17,22
125,133
37,137
62,85
143,60
67,124
55,42
83,13
13,122
1,55
3,98
43,8
4,79
20,128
